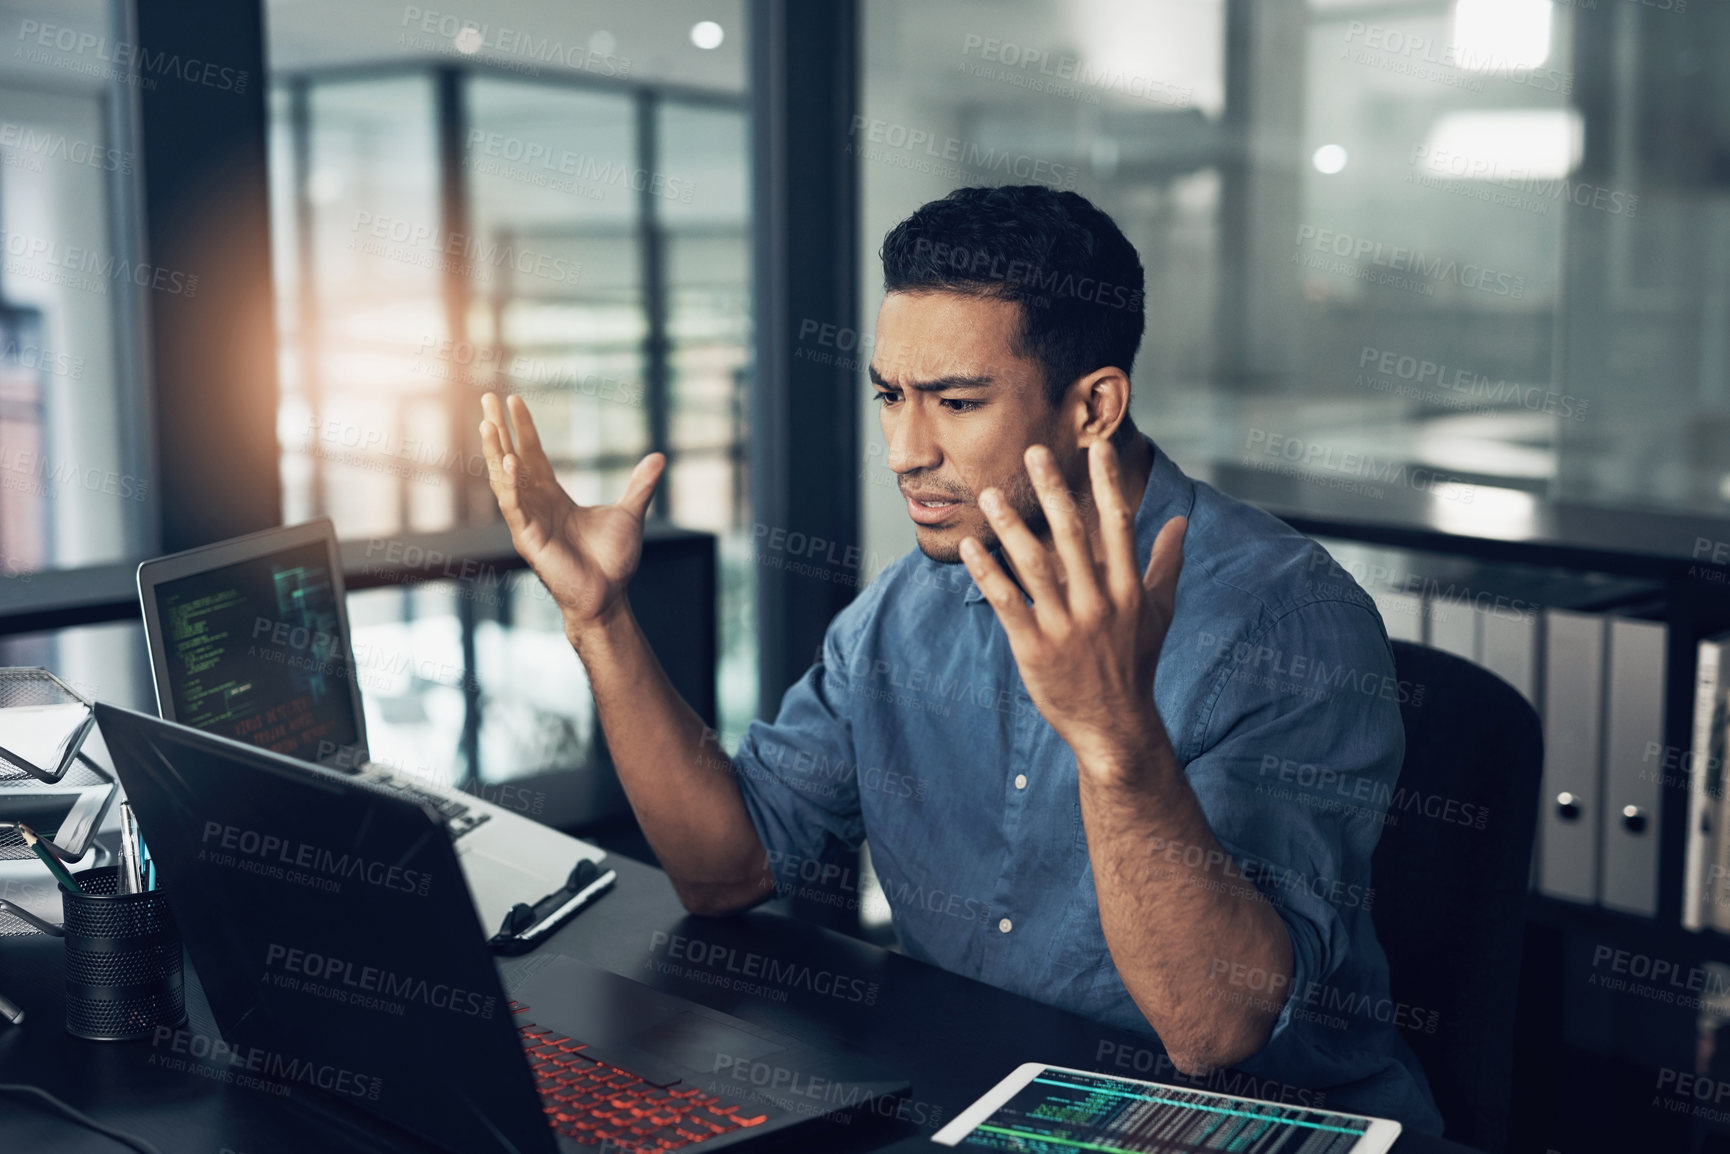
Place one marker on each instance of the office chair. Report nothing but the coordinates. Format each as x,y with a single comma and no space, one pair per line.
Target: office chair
1450,904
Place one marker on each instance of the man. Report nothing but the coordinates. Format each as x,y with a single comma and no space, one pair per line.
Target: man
1067,750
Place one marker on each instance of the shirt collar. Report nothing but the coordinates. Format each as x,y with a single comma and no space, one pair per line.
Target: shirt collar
1169,493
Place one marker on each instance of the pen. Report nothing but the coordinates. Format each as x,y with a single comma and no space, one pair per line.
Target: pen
10,1011
130,878
66,880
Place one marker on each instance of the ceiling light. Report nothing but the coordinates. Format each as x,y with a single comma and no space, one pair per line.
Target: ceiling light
1501,35
1499,144
1329,159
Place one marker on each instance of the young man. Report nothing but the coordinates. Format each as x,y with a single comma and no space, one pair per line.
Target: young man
1072,672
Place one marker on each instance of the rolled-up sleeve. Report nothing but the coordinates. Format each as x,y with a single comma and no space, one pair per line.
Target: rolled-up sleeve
799,774
1300,752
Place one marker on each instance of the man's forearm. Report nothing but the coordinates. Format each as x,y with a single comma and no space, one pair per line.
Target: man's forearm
680,782
1179,917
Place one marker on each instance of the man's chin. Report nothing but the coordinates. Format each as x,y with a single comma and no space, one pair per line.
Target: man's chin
944,545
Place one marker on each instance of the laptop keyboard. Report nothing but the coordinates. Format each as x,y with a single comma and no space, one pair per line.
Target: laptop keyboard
596,1104
459,818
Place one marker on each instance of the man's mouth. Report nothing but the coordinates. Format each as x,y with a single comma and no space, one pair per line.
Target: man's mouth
930,508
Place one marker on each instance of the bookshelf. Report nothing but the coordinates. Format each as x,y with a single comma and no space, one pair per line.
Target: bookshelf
1584,1059
1676,551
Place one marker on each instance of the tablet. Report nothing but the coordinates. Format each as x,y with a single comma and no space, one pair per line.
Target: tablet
1052,1110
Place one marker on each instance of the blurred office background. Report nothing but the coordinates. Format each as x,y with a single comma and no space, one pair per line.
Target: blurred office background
602,148
1484,240
1557,174
1566,166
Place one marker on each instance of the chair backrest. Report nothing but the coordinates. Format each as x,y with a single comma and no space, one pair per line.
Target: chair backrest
1450,876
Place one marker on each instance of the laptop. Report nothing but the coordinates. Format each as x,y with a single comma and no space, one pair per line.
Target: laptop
249,638
331,927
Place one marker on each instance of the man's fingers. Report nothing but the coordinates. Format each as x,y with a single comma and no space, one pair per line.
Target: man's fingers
502,479
1067,530
1032,562
530,456
493,451
528,437
999,590
495,413
1116,521
1167,560
641,487
495,431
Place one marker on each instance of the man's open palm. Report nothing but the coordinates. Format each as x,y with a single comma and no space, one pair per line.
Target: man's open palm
584,554
1088,646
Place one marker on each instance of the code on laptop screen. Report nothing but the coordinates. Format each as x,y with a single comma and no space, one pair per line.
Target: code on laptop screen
256,652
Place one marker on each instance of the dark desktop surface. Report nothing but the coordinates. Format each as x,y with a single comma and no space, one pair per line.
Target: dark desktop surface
951,1037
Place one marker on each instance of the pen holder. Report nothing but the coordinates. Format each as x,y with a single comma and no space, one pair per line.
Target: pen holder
123,966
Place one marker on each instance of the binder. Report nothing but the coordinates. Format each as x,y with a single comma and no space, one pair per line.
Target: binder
1548,633
1569,821
1507,604
1402,614
1511,603
1509,645
1634,687
1705,768
1451,625
1488,613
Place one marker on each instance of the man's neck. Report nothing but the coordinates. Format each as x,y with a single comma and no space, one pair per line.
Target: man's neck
1135,468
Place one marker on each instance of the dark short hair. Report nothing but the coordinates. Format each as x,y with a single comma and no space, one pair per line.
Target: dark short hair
1075,275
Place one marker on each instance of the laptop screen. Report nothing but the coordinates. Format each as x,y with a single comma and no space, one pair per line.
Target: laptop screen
255,651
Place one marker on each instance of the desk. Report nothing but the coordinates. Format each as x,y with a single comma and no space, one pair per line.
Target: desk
950,1036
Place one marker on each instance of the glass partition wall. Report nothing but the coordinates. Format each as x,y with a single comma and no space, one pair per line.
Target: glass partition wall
75,468
441,230
1474,246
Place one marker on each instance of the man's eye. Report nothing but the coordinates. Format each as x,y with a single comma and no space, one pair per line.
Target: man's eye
956,406
884,398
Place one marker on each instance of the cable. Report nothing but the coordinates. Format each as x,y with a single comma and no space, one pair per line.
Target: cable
120,1136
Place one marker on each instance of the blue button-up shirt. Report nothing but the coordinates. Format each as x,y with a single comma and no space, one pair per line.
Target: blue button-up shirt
1276,685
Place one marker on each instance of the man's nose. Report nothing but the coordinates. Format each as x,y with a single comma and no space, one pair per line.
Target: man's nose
911,445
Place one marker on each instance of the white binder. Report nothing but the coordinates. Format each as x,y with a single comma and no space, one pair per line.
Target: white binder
1452,626
1633,726
1402,614
1509,643
1570,824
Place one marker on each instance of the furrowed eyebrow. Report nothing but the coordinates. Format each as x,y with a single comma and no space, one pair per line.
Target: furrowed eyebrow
939,385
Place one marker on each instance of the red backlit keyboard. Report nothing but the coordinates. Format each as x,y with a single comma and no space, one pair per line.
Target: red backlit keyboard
593,1103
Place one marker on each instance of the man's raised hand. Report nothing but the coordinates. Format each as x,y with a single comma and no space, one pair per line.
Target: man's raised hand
1088,646
584,554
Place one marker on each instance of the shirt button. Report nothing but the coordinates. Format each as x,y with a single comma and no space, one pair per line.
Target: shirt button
1005,925
1021,781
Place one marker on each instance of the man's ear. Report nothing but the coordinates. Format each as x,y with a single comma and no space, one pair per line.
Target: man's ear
1101,401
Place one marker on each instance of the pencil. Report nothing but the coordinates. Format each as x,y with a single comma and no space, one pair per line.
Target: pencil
66,880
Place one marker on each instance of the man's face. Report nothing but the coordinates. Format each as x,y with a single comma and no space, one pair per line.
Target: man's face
958,409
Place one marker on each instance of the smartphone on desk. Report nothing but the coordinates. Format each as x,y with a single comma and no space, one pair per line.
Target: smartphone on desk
1052,1108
